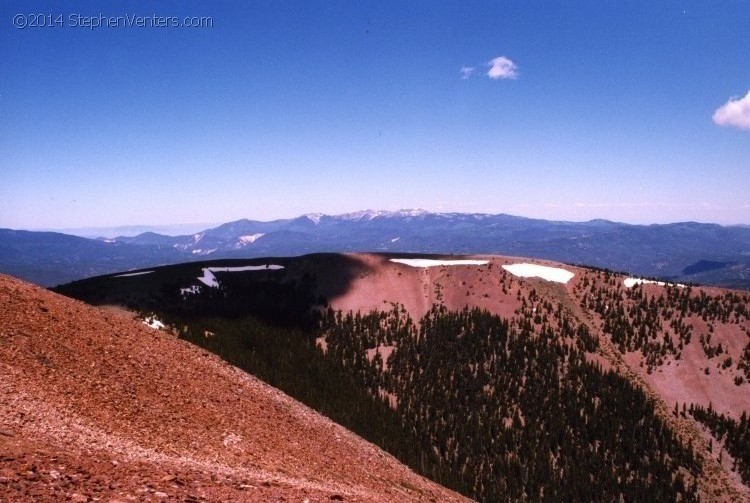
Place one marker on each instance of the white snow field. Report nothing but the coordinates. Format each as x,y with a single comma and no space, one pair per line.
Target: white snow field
209,279
132,274
251,238
526,270
271,267
153,322
426,262
631,282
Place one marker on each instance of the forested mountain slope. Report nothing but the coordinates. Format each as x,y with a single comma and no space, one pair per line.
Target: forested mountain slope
503,372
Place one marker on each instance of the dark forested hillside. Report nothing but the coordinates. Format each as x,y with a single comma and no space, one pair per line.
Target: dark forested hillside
733,435
499,410
516,411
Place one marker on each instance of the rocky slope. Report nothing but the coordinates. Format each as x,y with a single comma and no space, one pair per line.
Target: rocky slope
96,406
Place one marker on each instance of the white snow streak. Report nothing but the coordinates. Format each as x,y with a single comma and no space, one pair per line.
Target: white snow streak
152,322
251,238
314,217
426,262
272,267
132,274
631,282
527,270
209,279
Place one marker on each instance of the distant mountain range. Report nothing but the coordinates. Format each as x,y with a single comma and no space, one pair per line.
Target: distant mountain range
131,230
685,252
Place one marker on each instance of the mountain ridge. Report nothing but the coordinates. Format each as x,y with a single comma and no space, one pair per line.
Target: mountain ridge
670,251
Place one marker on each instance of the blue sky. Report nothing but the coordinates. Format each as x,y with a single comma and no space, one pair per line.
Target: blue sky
599,109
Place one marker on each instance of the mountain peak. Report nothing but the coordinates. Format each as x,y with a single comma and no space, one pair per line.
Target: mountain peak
372,214
314,217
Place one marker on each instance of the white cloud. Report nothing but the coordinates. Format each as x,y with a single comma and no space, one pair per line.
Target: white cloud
735,113
502,68
466,72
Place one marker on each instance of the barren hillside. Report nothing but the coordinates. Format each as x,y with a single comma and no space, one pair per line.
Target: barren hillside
94,405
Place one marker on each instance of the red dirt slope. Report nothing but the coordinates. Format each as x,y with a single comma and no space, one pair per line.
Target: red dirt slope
95,406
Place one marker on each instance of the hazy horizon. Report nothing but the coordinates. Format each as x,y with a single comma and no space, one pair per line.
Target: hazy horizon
175,229
634,112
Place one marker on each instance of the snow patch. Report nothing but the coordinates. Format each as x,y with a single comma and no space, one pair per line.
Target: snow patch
140,273
209,279
190,290
252,238
527,270
411,213
426,262
362,215
373,214
314,217
267,267
631,282
153,322
201,251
